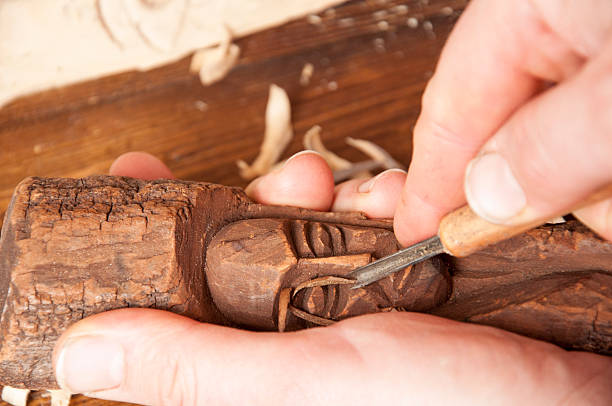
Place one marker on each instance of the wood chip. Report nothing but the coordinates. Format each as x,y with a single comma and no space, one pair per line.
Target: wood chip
556,220
213,64
60,397
306,74
15,396
277,136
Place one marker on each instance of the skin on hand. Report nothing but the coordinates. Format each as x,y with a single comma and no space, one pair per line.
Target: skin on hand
159,358
540,148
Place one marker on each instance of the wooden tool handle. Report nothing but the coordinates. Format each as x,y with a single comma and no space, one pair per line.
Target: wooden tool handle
463,232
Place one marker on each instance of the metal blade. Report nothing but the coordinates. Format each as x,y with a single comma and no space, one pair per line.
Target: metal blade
383,267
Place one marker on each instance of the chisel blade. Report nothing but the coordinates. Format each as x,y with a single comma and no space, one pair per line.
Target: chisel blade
383,267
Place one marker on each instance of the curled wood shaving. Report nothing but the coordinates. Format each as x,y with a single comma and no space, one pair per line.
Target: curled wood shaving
276,138
15,396
322,321
355,171
60,397
375,152
279,134
312,140
213,64
287,294
322,281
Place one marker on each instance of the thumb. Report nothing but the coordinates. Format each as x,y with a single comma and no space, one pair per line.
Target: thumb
159,358
154,357
551,154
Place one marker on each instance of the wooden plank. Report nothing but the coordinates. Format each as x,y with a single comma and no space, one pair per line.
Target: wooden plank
370,68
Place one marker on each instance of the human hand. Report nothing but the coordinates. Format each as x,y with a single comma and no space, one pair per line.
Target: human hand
156,357
540,148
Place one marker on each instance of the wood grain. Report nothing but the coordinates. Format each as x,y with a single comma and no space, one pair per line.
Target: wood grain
379,70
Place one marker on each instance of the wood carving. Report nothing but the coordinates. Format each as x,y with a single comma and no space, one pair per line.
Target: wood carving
74,247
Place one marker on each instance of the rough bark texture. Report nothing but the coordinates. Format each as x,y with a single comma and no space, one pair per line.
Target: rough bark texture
74,247
553,283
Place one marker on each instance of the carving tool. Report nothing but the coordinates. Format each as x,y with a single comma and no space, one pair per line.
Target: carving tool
461,233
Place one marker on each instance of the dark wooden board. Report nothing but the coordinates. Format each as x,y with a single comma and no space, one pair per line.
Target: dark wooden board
379,73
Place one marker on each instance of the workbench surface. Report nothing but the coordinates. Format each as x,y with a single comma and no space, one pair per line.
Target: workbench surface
370,68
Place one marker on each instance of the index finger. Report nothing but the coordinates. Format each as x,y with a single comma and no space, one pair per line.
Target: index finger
498,56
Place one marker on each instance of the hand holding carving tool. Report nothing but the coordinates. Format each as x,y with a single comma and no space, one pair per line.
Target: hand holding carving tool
461,233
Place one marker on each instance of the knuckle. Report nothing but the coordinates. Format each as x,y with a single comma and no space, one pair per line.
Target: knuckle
177,383
598,127
534,159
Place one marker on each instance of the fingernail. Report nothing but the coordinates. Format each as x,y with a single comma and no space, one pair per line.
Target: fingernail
90,364
367,186
492,190
304,152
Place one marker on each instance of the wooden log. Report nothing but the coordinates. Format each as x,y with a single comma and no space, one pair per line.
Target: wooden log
71,248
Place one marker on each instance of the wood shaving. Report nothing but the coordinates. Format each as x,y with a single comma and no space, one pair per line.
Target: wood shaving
375,152
277,135
15,396
447,11
556,220
306,74
383,25
60,397
284,301
311,317
357,170
322,281
400,9
312,141
346,22
380,14
213,64
314,19
201,105
342,169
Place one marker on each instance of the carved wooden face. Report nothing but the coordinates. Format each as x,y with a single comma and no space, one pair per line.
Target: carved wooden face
249,262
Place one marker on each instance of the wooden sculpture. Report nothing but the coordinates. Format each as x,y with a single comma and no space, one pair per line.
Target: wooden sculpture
74,247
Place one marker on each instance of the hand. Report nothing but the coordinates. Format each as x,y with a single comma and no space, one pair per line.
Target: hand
539,148
156,357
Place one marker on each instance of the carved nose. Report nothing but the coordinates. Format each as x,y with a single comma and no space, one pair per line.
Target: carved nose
247,263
